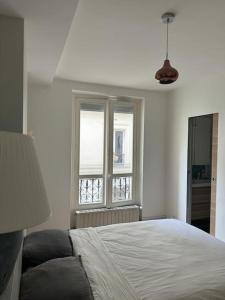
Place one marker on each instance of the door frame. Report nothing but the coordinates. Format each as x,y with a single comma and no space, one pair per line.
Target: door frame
214,173
189,171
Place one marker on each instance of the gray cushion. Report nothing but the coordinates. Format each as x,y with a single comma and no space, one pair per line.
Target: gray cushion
43,245
56,279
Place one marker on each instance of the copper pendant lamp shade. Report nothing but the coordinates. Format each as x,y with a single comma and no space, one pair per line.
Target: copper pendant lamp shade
167,74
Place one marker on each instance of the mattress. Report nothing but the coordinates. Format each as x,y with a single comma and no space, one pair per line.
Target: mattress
157,260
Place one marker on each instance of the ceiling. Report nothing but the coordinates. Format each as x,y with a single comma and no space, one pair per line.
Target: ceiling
47,23
122,42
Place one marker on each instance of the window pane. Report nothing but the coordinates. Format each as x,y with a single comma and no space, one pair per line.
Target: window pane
90,190
122,188
91,139
123,140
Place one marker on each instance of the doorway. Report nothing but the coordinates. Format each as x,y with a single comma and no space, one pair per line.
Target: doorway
202,171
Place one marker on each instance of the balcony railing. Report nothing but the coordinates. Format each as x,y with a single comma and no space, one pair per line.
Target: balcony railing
122,188
91,189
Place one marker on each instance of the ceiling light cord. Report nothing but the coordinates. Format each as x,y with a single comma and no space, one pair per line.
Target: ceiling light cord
167,38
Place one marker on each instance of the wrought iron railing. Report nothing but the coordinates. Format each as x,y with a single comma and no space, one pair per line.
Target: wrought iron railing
122,188
91,189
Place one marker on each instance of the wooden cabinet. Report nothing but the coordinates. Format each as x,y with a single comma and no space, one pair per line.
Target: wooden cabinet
200,208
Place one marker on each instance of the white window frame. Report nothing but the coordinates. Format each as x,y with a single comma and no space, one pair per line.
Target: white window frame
108,175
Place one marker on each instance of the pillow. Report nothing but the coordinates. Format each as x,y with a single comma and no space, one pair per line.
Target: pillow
41,246
56,279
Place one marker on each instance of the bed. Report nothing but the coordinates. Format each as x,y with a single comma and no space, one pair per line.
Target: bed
154,260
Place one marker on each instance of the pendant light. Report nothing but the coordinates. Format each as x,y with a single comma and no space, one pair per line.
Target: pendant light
167,74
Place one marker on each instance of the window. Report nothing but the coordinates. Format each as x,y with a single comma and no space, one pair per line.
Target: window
118,155
106,157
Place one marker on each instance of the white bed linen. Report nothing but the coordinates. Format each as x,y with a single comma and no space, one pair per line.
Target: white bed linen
154,260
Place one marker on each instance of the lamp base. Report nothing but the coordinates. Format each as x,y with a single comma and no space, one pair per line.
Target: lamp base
10,244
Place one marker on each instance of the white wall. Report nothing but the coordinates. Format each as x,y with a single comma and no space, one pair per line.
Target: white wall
50,119
199,99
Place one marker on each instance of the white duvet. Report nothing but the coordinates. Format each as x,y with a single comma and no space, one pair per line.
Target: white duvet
160,259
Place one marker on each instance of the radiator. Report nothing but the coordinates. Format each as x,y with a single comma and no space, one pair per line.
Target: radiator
106,216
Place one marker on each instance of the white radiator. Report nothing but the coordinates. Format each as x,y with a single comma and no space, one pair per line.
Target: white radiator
106,216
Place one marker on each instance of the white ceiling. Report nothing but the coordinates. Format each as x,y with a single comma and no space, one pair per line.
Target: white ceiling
47,23
122,42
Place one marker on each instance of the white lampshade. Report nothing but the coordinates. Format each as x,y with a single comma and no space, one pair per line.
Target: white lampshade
23,199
